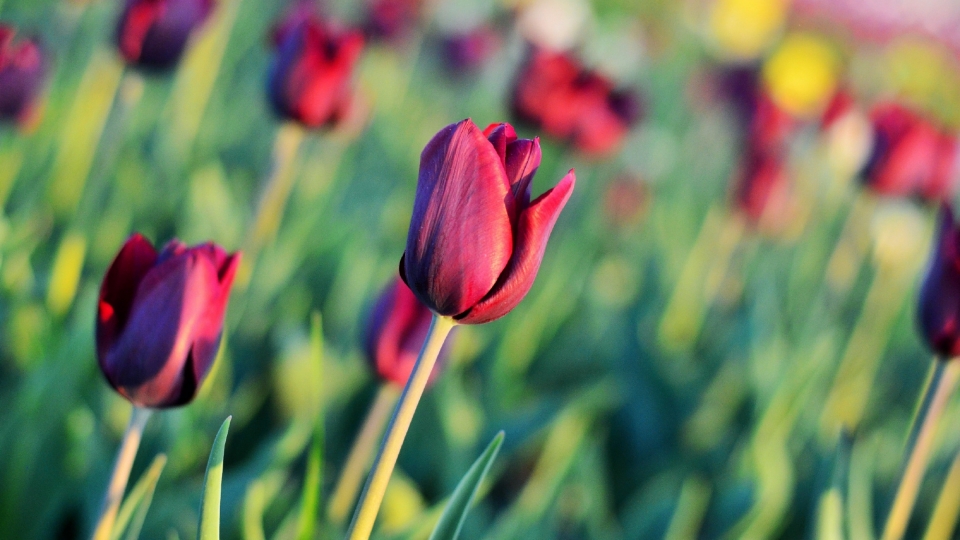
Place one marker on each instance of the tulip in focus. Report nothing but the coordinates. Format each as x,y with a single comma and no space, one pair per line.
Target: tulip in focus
938,312
160,319
476,239
153,34
396,330
310,80
911,156
553,92
23,69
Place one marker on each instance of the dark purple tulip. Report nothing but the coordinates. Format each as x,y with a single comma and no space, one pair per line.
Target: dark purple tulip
391,20
310,81
939,310
23,69
153,33
476,240
160,319
466,52
396,330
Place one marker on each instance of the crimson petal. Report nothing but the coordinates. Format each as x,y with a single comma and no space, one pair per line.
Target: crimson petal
534,227
119,288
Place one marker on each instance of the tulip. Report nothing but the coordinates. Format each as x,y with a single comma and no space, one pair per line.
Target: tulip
938,312
153,34
476,240
466,52
396,330
571,103
160,319
309,81
910,157
391,20
23,69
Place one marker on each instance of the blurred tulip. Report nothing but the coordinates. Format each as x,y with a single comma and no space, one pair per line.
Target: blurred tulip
555,93
467,52
153,33
396,330
801,75
391,20
910,156
160,319
310,80
476,240
763,192
938,312
23,69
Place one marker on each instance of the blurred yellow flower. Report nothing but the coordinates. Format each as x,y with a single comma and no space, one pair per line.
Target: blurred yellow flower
801,75
743,29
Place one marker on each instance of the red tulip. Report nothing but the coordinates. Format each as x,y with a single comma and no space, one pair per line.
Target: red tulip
396,331
476,240
310,79
154,33
160,319
910,157
23,69
938,312
555,93
762,191
391,20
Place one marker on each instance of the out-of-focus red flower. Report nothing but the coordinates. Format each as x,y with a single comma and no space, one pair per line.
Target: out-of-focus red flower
911,156
938,311
396,330
763,191
476,239
310,80
553,92
153,33
160,319
466,52
391,20
23,70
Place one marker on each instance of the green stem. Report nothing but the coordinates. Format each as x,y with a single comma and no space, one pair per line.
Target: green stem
386,459
940,388
121,473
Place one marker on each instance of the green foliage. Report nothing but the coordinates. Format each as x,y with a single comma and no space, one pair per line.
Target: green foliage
455,513
209,528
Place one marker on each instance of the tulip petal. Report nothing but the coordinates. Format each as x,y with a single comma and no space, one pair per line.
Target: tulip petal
460,237
209,328
938,313
146,364
127,270
523,159
534,227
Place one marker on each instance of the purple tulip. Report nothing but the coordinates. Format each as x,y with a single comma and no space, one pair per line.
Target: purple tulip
396,330
160,319
23,69
939,310
153,33
310,80
476,239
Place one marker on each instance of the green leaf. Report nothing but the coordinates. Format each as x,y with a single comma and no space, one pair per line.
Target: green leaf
448,528
138,501
210,509
313,479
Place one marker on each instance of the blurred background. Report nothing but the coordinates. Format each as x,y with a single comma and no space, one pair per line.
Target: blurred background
721,339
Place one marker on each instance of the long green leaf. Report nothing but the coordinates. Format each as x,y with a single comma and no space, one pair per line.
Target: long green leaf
210,509
448,528
137,503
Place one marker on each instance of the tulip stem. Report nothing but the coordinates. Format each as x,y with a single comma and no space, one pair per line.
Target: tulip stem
361,453
121,473
935,396
383,464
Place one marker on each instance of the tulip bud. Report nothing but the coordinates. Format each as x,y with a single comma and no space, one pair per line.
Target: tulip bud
153,34
555,93
910,156
938,312
160,319
476,239
23,69
309,81
396,330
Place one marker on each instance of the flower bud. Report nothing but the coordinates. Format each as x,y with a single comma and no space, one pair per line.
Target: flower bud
160,319
310,80
938,312
153,34
396,330
476,239
23,70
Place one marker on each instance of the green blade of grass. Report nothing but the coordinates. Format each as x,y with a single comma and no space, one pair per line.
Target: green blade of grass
134,508
448,528
209,528
313,479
